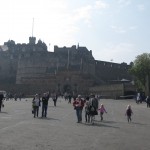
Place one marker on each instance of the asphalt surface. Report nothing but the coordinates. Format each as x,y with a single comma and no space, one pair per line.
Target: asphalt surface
59,131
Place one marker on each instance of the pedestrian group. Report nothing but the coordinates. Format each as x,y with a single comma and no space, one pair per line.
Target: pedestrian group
90,104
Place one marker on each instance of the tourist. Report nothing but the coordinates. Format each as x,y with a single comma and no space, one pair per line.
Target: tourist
36,103
94,105
69,98
54,98
45,99
1,100
15,97
66,96
102,110
81,106
20,96
128,113
148,101
138,98
87,111
78,106
94,101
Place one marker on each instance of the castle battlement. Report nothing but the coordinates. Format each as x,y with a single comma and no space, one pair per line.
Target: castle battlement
31,63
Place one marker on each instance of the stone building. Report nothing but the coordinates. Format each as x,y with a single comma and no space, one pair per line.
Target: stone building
31,68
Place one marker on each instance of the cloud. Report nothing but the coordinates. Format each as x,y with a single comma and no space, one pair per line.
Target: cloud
121,30
124,3
53,20
120,52
100,5
132,27
118,29
141,7
85,13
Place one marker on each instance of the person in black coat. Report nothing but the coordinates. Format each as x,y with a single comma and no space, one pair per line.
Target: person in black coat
148,101
1,100
45,99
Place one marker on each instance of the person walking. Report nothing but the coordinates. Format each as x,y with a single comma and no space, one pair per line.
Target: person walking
54,98
78,106
138,98
45,99
148,101
69,98
87,111
102,110
36,103
1,100
129,113
81,106
93,102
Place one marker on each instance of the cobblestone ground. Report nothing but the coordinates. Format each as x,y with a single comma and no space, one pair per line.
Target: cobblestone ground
20,131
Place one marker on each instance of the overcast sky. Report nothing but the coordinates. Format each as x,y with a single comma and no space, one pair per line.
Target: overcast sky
115,30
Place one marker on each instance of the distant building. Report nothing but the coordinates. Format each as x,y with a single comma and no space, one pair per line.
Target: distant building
31,67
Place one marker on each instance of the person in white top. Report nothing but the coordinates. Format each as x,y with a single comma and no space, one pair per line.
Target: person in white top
36,103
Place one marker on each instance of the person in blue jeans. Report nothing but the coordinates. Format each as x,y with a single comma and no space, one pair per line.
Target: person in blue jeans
45,99
78,106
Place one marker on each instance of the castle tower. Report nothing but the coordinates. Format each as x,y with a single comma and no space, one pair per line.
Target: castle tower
32,40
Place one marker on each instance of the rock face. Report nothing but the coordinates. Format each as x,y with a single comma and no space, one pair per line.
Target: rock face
67,69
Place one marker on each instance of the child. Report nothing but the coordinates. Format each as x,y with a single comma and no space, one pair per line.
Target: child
129,112
102,110
87,112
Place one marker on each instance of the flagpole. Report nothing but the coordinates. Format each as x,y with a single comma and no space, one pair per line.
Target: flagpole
68,61
32,26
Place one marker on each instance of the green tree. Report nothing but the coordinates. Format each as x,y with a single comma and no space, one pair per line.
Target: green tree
141,70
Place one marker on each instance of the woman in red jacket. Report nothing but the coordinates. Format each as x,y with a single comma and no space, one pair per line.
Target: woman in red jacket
78,106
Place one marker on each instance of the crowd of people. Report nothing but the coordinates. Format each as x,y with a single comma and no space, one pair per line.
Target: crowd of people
90,105
42,101
140,97
36,103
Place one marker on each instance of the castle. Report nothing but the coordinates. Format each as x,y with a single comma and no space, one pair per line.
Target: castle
32,68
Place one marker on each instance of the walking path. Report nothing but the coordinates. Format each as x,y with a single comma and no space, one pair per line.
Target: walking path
59,131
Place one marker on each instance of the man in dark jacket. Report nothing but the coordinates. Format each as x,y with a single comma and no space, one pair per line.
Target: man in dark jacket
148,101
94,105
45,99
1,100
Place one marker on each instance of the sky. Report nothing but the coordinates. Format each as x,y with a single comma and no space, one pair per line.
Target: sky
115,30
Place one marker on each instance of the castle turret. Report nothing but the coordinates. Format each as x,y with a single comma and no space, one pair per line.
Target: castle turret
32,40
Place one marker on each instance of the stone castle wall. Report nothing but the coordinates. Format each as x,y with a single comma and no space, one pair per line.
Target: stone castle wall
67,68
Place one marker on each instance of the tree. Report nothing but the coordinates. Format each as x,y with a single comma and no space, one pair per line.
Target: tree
141,70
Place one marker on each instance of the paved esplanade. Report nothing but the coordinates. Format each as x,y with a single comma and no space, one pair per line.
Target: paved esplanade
20,131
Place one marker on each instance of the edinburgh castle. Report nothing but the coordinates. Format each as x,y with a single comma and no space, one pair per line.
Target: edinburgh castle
31,68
